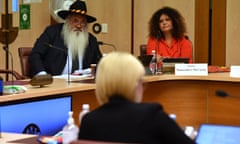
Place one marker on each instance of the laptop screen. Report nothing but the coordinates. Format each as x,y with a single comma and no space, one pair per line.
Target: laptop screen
175,60
218,134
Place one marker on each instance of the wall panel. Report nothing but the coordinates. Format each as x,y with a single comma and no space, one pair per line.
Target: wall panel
232,33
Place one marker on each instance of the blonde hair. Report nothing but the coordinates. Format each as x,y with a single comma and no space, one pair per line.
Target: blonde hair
118,73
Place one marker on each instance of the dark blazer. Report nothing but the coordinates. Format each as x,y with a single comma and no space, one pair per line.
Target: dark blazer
53,59
124,121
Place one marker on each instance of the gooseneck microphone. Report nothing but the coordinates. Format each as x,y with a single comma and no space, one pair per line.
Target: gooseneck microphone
66,52
12,89
11,56
224,94
112,45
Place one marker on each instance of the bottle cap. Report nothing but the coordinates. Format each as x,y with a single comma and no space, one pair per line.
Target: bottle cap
85,106
173,116
70,117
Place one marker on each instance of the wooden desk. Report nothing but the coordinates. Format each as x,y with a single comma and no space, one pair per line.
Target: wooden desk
13,138
191,98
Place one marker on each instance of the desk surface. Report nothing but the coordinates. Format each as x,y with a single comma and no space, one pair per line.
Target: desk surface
223,77
13,138
191,98
60,86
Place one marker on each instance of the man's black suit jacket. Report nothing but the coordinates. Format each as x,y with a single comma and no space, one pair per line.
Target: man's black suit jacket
52,60
124,121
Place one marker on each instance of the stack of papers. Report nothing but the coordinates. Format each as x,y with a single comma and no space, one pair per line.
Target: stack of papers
73,77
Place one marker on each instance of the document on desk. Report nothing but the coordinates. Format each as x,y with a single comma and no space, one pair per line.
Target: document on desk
73,77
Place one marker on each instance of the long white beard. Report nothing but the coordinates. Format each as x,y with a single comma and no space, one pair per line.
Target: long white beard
76,41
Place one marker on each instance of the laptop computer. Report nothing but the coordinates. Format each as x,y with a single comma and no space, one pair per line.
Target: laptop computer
168,64
218,134
175,60
145,60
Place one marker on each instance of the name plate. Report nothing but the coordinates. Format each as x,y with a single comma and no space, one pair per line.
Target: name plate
191,69
235,71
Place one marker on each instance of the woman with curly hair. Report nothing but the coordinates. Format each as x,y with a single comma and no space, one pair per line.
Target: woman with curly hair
167,37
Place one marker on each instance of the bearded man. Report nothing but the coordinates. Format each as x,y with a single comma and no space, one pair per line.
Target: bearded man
66,47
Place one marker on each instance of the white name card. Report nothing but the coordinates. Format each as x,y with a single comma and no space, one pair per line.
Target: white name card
235,71
191,69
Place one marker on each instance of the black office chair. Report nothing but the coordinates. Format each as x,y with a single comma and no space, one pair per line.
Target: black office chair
143,49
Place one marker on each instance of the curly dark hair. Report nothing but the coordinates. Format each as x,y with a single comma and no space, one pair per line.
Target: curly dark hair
179,26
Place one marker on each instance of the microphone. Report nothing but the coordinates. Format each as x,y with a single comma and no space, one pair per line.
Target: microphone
158,35
12,89
8,52
65,51
112,45
55,47
158,69
224,94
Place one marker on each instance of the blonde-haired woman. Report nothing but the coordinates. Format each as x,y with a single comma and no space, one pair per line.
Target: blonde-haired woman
121,116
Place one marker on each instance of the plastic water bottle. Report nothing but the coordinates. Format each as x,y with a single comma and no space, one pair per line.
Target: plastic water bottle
70,130
153,63
85,109
173,116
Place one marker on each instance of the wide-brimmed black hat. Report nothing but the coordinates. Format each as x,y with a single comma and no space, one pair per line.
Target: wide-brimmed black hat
78,7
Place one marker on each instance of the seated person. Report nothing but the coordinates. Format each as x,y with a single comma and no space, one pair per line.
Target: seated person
121,117
66,47
167,31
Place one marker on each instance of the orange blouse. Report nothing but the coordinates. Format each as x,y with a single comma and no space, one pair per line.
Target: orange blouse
178,49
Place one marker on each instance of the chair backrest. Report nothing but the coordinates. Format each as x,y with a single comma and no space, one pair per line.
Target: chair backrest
13,73
24,53
143,49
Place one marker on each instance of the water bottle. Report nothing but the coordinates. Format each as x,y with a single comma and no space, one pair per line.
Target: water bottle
85,109
70,130
1,85
173,116
153,63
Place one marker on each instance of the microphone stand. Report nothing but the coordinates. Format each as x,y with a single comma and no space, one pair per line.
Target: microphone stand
156,51
66,52
11,56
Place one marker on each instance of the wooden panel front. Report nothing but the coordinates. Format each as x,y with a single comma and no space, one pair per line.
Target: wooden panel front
83,97
186,99
193,101
224,110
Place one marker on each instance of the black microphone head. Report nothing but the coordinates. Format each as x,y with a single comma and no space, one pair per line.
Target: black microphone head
100,43
5,48
221,93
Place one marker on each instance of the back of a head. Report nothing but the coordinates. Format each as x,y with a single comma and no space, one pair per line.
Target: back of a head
118,73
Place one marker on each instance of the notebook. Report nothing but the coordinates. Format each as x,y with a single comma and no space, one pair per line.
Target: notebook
218,134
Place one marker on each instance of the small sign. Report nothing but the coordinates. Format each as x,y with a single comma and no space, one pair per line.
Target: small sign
32,1
235,71
191,69
24,16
